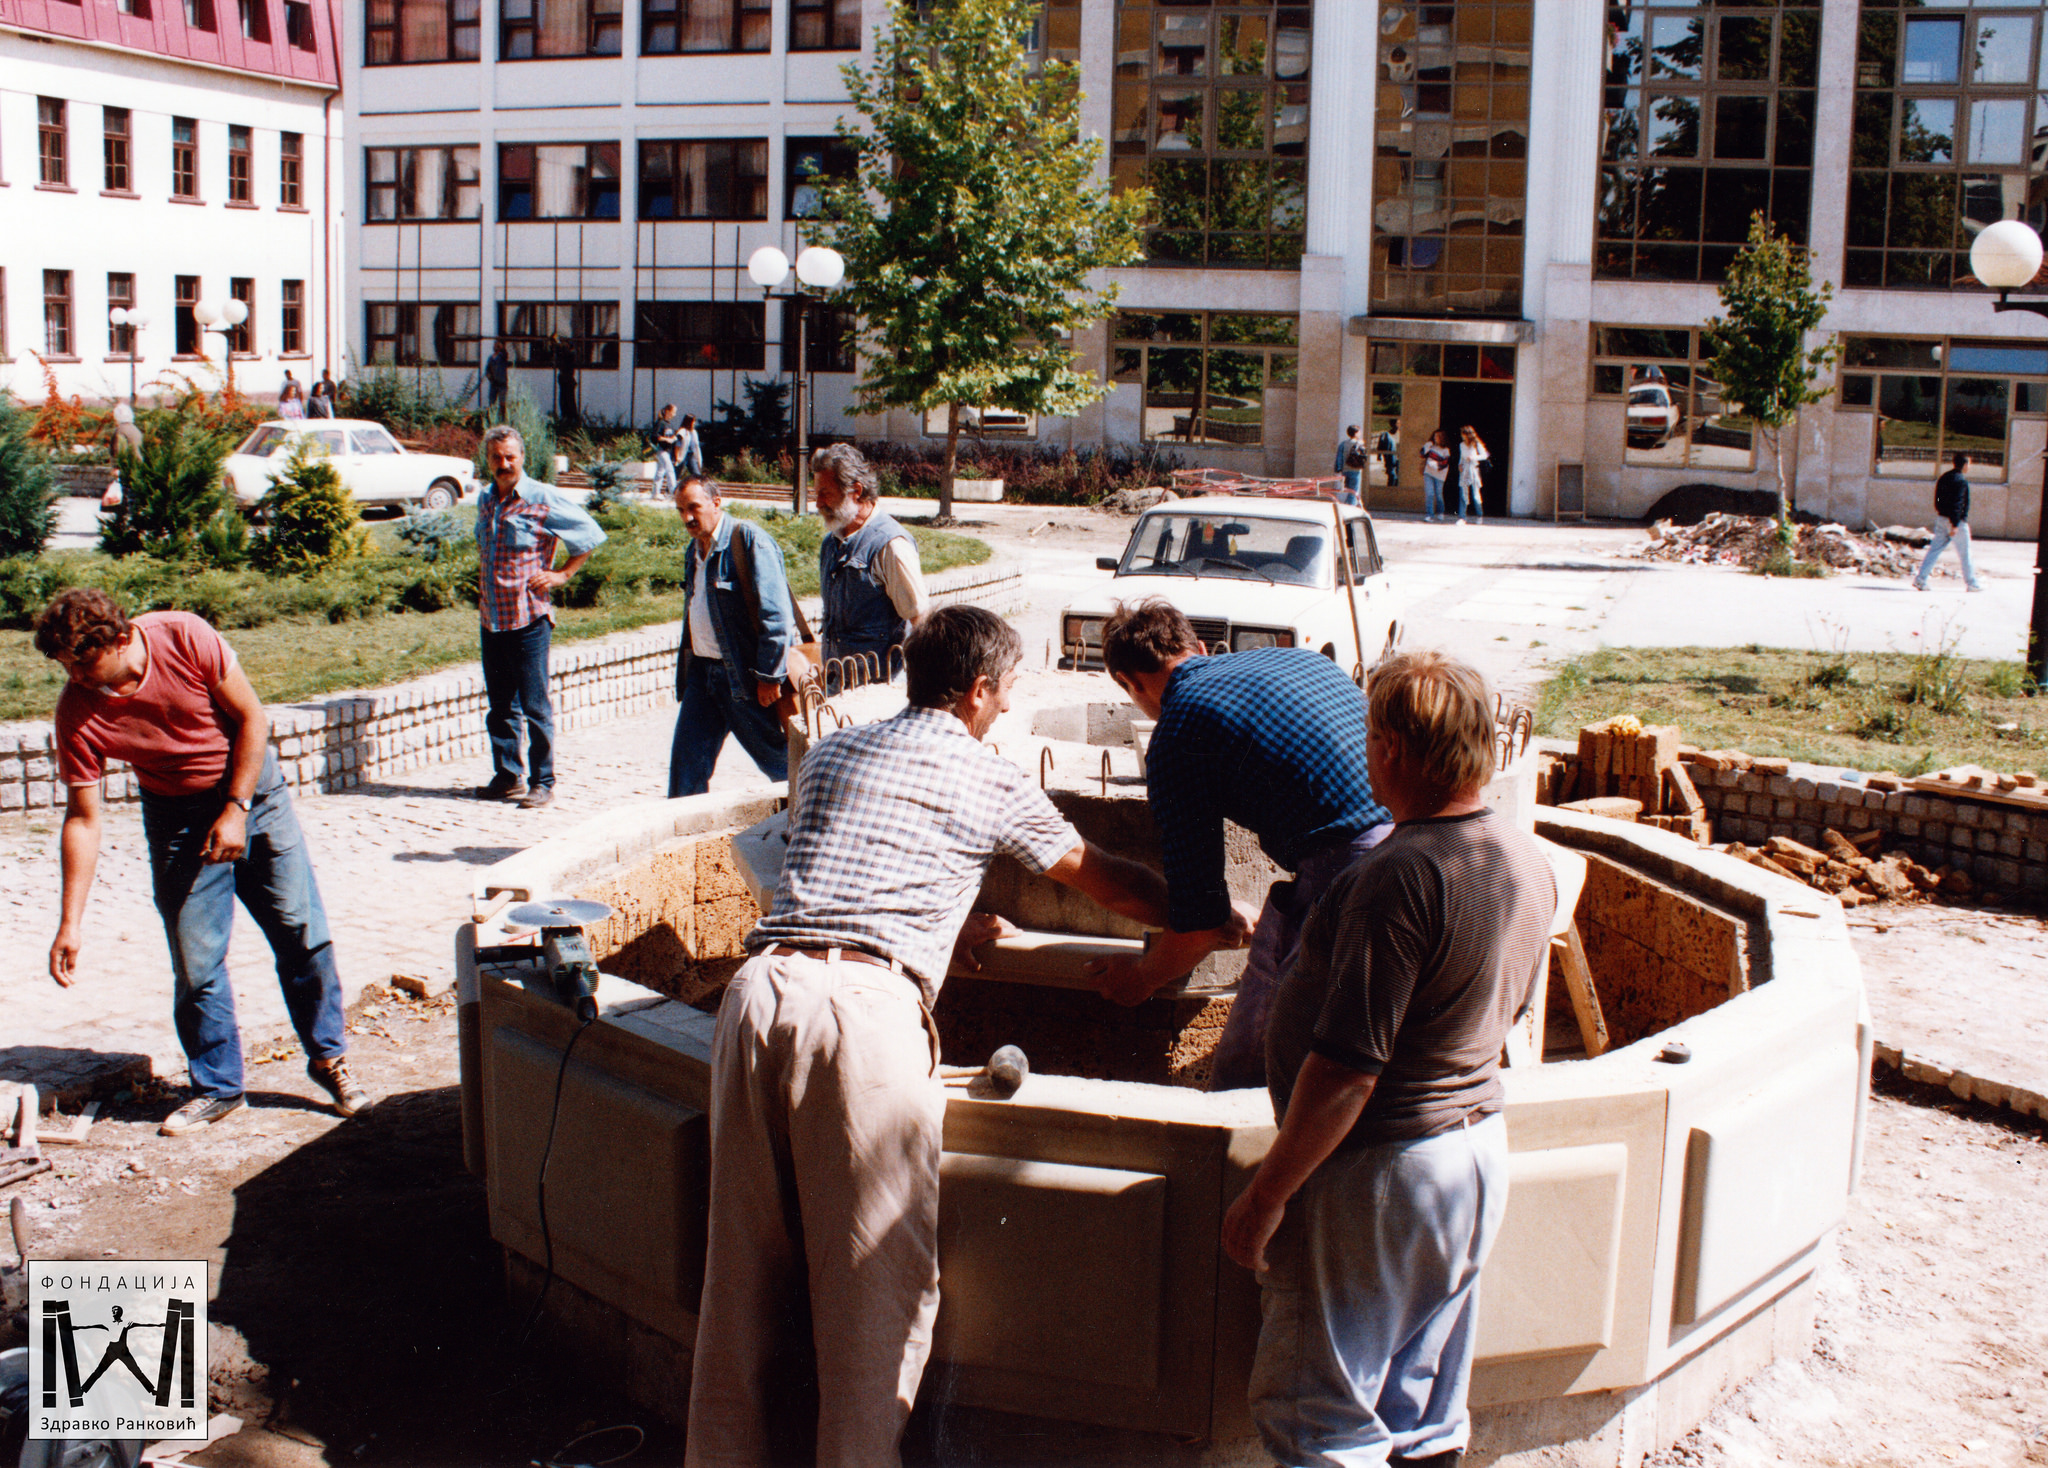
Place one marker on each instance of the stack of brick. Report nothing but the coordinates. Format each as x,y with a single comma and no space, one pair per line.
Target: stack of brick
1627,771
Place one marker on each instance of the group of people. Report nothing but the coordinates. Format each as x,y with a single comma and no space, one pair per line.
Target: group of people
1468,456
294,401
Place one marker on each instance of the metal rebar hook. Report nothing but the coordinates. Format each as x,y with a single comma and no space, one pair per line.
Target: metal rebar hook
1045,763
1105,773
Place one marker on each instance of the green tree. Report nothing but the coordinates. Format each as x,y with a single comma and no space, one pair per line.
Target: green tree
169,488
974,220
1759,349
28,496
312,518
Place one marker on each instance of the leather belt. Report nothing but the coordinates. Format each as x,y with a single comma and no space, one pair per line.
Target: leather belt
826,955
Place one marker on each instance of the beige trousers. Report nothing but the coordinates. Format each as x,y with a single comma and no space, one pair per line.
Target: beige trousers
826,1114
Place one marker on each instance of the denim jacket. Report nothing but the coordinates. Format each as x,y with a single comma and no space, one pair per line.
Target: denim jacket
732,617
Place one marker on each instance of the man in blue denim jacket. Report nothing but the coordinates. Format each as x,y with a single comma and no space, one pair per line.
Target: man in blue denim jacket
737,635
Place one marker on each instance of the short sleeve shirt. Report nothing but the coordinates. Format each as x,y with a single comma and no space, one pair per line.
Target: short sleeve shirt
171,729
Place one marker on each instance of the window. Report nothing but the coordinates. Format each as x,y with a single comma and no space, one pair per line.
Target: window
255,15
424,183
120,295
1056,34
824,25
56,313
242,339
807,162
1708,119
717,179
425,333
291,322
558,181
398,32
670,26
115,129
291,151
830,342
1210,110
539,28
185,323
199,14
1675,416
1205,374
700,334
1937,397
241,164
51,141
1947,139
558,333
136,8
184,158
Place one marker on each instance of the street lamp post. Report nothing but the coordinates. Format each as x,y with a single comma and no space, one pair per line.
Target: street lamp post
2007,256
134,320
821,269
222,317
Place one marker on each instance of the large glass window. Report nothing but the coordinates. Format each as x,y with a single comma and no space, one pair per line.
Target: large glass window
716,178
1708,120
114,127
558,181
671,26
51,142
808,163
531,28
1951,134
830,338
422,183
398,32
704,334
425,333
824,25
1205,374
1211,113
1675,419
1934,397
560,333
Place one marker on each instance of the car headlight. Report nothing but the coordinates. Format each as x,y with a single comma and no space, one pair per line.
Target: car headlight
1084,630
1245,639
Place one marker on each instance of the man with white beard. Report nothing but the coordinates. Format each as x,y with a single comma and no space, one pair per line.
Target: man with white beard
867,567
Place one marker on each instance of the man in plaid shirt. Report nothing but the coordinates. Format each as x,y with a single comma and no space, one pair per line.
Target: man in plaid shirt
519,521
826,1107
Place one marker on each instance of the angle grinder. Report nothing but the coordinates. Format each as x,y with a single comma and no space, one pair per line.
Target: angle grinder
565,952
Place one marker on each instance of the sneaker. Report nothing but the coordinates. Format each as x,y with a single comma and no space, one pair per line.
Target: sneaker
1976,588
502,789
332,1076
198,1112
1461,519
1919,585
537,797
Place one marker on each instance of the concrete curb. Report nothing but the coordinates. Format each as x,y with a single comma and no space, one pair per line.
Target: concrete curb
1960,1083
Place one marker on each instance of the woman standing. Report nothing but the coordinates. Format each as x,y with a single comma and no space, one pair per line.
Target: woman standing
1471,454
1436,467
291,403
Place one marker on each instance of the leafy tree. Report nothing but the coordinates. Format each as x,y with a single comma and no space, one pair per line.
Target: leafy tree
28,496
535,432
761,429
313,521
169,488
975,219
1760,355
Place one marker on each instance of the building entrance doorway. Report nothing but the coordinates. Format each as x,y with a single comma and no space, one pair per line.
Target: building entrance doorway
1490,408
1418,387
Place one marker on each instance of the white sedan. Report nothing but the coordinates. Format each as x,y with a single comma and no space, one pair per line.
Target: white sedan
374,466
1251,572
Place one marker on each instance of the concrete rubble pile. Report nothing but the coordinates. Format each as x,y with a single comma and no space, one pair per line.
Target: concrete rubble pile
1750,540
1853,870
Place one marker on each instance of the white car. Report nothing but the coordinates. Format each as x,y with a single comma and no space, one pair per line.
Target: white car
373,465
1653,415
1250,572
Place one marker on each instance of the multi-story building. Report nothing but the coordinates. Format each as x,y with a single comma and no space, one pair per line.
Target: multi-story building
156,154
1508,213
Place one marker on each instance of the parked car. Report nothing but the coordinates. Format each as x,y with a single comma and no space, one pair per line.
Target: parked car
375,467
1249,573
1653,415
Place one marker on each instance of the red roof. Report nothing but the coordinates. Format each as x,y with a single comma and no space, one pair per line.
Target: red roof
163,31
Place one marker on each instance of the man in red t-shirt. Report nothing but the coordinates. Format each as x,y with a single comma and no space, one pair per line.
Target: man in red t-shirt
165,693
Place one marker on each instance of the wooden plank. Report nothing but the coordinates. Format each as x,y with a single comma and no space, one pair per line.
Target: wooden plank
1988,785
1569,954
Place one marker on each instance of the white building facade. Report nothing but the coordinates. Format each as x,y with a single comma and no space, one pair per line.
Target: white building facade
154,157
1406,215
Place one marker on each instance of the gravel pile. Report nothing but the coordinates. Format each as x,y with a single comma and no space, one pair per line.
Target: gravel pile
1749,540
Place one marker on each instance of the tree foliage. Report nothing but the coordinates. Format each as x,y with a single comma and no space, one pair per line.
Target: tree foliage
28,494
169,488
975,220
312,518
1759,349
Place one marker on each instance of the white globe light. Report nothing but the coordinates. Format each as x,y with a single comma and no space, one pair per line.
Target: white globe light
2006,255
119,316
768,267
138,319
206,313
234,313
821,267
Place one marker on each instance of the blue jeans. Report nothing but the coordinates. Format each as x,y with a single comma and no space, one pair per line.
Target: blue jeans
516,688
1944,532
1240,1059
1473,505
275,881
664,473
1432,495
1369,1301
714,706
1350,491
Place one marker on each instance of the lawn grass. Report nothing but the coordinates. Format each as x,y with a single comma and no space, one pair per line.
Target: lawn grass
1866,711
292,659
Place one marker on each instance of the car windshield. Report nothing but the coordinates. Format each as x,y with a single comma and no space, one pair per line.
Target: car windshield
1292,552
1654,397
264,441
373,441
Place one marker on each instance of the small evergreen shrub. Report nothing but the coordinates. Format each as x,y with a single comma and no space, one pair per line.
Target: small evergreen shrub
28,492
313,521
169,488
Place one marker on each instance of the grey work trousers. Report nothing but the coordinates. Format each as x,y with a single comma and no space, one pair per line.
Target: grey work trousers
826,1116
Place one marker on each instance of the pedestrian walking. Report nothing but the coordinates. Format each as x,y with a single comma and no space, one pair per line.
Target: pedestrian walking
320,401
663,436
868,574
1471,477
497,372
1952,509
165,693
1371,1217
1351,463
1436,466
739,643
689,447
1390,452
519,522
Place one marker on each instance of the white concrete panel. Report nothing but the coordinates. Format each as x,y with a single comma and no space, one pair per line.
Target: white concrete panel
814,76
722,81
1550,1284
415,91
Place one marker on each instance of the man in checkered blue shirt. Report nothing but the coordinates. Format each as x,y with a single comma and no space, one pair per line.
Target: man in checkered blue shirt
824,1072
1273,740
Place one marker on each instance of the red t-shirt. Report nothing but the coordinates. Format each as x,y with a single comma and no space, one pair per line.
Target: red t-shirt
170,729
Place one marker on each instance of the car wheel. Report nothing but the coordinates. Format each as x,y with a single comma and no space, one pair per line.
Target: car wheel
441,495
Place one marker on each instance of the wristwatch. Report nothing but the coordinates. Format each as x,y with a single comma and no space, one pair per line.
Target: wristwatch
237,800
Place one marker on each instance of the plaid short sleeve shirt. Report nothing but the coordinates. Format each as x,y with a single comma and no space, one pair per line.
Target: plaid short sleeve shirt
516,536
898,822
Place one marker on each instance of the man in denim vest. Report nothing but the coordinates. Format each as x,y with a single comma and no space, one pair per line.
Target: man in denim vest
867,567
736,639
